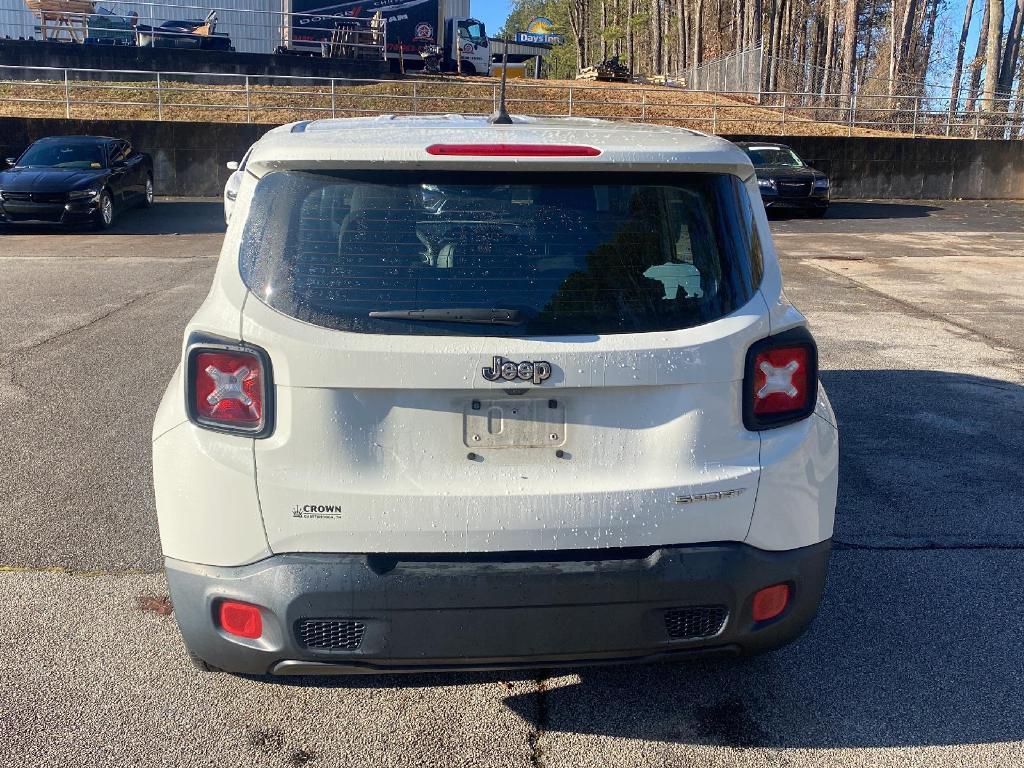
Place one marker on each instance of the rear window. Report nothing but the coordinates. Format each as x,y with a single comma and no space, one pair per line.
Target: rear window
546,254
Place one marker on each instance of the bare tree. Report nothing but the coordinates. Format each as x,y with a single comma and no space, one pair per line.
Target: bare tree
813,56
665,34
655,31
604,26
739,25
923,56
698,24
629,37
830,47
978,61
900,46
868,38
579,17
993,54
618,26
1011,50
681,33
849,51
954,88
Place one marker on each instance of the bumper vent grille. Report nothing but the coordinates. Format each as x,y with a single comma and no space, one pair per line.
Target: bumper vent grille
696,622
49,197
331,634
794,188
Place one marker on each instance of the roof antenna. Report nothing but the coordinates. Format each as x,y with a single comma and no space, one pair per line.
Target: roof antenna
501,116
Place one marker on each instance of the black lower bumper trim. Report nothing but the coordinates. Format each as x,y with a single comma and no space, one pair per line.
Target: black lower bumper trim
802,203
77,213
504,611
318,668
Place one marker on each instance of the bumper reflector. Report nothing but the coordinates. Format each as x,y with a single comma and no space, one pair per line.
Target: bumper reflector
770,602
240,619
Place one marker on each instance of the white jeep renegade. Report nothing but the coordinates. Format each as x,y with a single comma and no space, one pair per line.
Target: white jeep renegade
470,396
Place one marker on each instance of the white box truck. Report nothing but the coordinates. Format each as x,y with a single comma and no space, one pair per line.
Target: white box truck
411,25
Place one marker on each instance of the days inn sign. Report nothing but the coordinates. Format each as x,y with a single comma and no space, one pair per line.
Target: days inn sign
540,30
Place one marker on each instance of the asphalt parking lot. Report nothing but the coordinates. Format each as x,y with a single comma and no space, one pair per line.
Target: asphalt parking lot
915,658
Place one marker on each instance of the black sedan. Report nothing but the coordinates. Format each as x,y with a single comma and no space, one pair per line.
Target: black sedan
785,180
75,180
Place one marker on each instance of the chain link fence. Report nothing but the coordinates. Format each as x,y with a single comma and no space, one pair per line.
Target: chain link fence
737,72
803,91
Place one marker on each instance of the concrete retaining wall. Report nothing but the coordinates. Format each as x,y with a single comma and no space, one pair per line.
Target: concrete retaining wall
916,169
189,158
36,53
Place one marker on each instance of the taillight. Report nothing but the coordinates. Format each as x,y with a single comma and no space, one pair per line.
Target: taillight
513,150
240,619
227,388
770,602
780,383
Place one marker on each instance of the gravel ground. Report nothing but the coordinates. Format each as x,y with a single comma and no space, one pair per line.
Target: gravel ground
914,660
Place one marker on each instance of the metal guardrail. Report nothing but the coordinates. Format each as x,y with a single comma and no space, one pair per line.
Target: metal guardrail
134,94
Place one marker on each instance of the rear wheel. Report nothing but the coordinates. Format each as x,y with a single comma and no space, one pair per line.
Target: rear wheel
105,215
147,197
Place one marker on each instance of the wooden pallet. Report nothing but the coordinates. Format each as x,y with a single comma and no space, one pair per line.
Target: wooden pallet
604,75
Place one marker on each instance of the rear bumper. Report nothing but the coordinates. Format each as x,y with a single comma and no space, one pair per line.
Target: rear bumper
435,612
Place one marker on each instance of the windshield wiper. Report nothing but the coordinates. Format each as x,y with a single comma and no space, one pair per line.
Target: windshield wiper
485,316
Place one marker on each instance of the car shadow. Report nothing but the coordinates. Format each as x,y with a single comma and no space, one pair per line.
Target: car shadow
166,217
918,641
863,209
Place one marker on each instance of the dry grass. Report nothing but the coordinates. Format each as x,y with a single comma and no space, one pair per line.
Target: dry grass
275,104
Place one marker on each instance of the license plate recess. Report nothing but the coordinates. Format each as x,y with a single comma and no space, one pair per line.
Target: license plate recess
514,423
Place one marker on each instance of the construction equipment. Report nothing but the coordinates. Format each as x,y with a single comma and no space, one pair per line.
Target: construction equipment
609,70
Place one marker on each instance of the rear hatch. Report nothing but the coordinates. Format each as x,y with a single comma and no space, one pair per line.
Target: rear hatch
533,361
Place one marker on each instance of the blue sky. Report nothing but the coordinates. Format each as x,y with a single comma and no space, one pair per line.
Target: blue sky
492,13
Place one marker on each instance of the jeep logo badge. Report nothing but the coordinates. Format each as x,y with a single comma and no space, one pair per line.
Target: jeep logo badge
535,371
